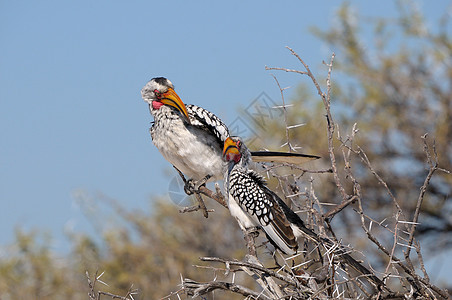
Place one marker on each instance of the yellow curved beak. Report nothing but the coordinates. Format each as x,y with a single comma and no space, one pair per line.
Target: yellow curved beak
172,99
230,148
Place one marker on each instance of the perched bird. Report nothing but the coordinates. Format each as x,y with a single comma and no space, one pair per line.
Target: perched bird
253,204
190,137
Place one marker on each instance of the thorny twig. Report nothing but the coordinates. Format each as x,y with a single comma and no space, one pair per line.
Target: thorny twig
95,295
196,289
329,215
326,98
433,167
285,114
407,268
193,208
286,279
357,188
357,197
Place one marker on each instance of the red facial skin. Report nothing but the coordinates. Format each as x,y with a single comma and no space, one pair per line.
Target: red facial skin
238,156
231,153
157,104
233,156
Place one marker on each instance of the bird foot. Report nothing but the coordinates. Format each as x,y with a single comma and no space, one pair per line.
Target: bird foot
250,234
189,187
253,232
192,186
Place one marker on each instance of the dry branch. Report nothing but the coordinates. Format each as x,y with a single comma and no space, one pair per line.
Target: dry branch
325,270
197,289
96,295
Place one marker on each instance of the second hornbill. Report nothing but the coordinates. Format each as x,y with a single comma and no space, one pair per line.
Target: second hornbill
253,205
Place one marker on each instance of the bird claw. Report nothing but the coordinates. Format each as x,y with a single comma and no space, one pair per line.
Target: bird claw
192,186
250,234
253,231
189,187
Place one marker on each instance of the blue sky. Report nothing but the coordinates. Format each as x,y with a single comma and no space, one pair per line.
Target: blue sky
71,116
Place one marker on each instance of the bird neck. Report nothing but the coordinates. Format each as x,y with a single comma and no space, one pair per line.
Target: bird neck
245,158
162,111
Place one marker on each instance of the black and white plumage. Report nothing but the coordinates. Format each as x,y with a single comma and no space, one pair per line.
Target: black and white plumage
190,137
253,204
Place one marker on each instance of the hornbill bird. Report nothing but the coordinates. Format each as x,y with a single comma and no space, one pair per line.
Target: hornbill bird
188,136
253,204
192,138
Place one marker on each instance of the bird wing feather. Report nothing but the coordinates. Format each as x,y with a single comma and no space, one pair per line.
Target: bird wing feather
265,210
282,157
204,119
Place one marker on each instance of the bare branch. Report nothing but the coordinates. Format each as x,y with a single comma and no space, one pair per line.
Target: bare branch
217,196
286,70
339,208
192,209
286,279
196,289
433,168
95,295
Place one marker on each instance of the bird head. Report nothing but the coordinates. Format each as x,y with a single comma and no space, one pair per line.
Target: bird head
232,156
159,91
235,152
231,150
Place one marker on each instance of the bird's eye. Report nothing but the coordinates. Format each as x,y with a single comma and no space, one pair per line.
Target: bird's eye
239,144
157,94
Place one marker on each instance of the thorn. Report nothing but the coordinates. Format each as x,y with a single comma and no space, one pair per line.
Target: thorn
283,106
97,278
408,222
102,282
295,126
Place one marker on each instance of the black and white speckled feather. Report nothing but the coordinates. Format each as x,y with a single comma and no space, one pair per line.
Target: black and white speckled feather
251,203
252,206
245,189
